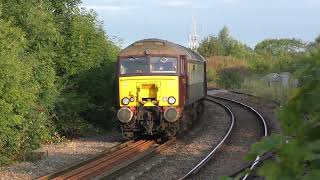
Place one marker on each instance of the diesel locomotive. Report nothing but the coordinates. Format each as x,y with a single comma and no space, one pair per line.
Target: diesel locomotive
161,86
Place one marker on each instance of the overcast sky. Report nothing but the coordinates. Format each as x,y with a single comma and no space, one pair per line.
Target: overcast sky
249,21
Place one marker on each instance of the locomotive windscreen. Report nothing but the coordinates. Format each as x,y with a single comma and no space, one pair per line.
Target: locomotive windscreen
134,65
143,65
163,65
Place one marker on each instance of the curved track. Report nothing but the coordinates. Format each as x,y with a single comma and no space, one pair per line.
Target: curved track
234,109
210,155
262,120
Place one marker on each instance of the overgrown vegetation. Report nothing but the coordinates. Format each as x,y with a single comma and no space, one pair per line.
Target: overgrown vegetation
243,68
56,73
297,147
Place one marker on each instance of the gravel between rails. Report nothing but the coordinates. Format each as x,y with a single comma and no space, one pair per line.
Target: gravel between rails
175,161
59,156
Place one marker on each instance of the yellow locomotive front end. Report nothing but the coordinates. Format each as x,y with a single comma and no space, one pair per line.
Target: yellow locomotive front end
148,95
149,91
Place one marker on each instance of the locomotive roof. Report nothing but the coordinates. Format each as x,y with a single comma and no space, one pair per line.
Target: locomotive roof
159,47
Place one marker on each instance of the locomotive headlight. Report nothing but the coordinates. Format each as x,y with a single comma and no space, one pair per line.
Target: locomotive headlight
171,114
125,101
132,99
171,100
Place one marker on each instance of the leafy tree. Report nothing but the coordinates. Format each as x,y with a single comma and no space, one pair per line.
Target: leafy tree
225,40
279,49
23,124
317,41
210,46
88,70
56,72
281,53
35,19
314,46
260,65
224,45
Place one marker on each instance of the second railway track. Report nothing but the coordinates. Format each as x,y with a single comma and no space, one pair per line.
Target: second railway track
248,128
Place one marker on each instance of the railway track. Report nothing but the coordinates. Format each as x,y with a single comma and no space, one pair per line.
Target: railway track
232,107
211,154
110,163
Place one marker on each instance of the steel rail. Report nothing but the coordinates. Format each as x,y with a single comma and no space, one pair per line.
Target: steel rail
112,162
81,163
258,158
210,155
97,167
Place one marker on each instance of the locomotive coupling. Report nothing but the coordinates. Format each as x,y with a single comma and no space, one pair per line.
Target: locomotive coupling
125,115
171,114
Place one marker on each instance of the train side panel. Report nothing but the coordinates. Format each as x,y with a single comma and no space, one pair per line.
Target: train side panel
196,81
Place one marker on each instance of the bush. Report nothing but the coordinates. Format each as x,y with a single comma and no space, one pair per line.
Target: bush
260,65
211,75
229,78
23,124
56,74
88,67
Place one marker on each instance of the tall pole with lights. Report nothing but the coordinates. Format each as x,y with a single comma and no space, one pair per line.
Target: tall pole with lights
193,36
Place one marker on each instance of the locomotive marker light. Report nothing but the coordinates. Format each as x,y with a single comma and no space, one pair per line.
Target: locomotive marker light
171,100
125,115
164,99
125,101
171,114
132,99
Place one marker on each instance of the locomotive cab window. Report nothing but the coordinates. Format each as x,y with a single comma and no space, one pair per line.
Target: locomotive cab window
134,65
163,65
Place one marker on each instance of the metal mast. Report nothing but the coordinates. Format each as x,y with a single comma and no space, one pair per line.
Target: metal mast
194,37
